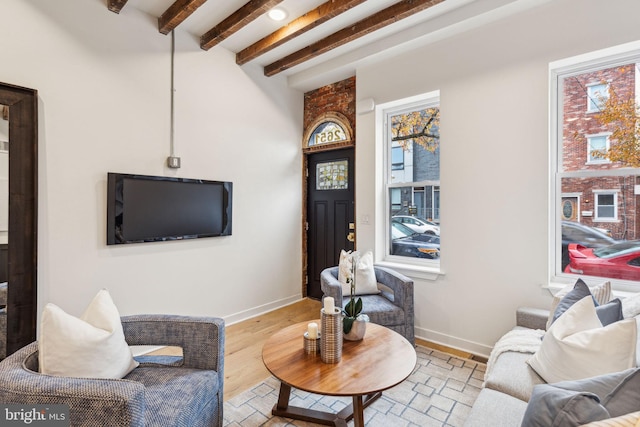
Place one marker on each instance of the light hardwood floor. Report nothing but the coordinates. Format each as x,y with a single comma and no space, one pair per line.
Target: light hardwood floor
243,367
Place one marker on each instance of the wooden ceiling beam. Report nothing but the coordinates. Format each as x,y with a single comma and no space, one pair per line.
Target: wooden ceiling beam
116,5
394,13
301,25
177,13
235,22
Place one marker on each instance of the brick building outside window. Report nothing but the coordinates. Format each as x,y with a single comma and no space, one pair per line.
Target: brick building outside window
596,199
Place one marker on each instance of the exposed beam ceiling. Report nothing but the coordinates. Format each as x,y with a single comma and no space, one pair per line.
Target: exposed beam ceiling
177,13
321,43
299,26
374,22
236,21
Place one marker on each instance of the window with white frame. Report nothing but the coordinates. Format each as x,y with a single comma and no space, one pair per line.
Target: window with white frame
412,138
606,205
397,158
595,166
597,146
597,95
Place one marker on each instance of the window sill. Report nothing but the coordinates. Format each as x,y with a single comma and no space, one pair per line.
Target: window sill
555,287
413,271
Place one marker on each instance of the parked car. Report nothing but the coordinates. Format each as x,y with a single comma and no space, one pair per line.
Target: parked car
406,242
417,224
590,237
618,261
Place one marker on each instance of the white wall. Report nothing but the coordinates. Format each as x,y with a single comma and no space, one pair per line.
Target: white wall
494,159
103,82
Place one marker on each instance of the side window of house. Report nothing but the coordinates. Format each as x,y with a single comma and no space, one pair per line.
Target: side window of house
597,95
412,147
596,167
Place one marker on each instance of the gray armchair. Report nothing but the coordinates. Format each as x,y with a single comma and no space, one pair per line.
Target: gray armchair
184,393
392,307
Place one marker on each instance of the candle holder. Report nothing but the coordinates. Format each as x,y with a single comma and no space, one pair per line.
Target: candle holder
331,336
311,345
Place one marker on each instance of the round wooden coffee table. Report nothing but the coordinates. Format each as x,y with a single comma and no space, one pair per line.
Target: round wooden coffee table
380,361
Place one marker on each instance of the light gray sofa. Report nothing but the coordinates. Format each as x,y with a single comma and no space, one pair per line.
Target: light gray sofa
184,392
509,382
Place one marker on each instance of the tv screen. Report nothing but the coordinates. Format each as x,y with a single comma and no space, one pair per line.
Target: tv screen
143,208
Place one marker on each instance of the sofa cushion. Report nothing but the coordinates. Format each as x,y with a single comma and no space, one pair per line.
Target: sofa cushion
631,306
578,346
601,293
573,403
552,406
167,390
380,310
512,375
495,409
608,312
92,346
365,274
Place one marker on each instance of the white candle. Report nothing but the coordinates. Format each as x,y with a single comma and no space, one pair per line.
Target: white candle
329,305
312,330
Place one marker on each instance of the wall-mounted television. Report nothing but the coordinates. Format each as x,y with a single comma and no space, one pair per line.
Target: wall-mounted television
142,208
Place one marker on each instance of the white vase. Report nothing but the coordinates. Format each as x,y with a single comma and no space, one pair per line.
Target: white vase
358,329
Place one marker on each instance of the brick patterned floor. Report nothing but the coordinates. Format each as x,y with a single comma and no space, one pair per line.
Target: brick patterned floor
439,392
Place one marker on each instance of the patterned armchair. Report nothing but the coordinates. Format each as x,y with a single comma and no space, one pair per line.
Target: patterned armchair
392,307
183,393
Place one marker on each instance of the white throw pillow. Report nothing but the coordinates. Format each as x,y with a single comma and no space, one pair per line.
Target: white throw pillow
92,346
602,294
631,306
577,346
366,283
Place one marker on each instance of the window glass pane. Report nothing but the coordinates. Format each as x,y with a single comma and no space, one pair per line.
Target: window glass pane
597,172
332,175
397,158
414,142
327,133
597,146
597,96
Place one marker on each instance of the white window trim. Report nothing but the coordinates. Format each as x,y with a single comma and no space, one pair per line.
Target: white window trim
604,160
610,57
597,193
412,267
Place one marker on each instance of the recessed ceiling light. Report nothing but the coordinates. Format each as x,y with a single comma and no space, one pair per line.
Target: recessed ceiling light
277,14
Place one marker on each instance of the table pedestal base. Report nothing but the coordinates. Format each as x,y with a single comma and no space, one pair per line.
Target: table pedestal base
354,411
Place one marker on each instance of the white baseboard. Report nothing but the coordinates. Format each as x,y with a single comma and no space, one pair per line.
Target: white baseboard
262,309
453,342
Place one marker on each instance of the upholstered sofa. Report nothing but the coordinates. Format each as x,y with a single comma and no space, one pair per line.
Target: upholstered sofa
391,307
187,391
506,397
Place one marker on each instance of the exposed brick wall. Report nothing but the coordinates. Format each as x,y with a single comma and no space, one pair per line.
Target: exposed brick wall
339,97
577,124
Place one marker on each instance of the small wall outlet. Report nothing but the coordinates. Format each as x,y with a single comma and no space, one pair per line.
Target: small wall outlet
173,162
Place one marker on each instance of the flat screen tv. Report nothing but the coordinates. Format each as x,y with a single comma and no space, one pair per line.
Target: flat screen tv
143,208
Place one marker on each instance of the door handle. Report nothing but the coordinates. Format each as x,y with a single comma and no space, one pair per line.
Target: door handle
351,237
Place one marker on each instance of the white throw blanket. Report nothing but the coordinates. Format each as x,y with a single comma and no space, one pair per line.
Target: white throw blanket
518,340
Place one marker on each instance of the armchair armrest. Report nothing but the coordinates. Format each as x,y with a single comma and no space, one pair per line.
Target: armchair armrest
202,339
330,285
532,318
401,285
88,399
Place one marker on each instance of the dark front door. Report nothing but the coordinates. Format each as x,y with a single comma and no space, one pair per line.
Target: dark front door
330,214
